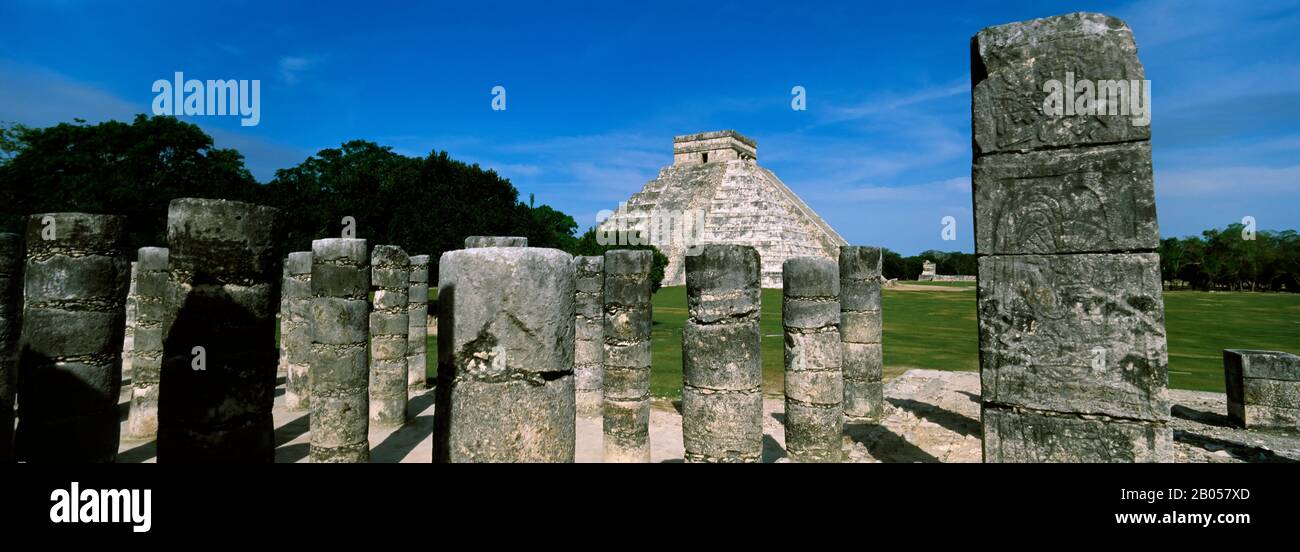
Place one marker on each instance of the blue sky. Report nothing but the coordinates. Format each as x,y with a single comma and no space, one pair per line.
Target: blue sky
595,92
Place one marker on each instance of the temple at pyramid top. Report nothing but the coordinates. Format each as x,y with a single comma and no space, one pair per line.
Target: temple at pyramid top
706,147
715,192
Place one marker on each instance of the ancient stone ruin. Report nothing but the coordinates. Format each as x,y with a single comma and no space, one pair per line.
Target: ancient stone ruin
722,362
474,242
153,301
589,334
861,329
814,380
627,356
340,324
1263,388
390,278
74,315
295,330
1071,317
715,179
505,389
417,315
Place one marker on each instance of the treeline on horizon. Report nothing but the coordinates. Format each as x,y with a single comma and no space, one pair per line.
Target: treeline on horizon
426,205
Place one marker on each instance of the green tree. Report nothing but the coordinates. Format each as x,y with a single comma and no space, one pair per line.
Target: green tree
589,245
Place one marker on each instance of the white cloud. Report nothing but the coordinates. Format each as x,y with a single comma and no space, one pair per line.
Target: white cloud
292,67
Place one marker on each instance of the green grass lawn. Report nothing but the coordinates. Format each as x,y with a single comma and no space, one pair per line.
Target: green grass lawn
936,329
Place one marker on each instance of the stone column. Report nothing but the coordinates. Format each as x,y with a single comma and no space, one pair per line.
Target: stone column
860,330
475,242
340,315
75,286
11,304
627,355
390,278
1073,360
128,336
1263,388
722,359
219,353
295,330
589,334
505,389
153,307
814,385
417,314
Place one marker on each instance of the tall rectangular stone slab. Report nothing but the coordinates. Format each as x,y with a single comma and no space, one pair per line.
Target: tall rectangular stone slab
11,304
722,359
295,330
1073,360
860,332
390,278
1263,388
340,331
417,314
589,334
628,315
814,379
505,390
219,355
75,284
152,308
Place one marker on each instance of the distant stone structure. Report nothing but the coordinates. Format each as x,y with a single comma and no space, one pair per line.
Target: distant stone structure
715,192
417,330
722,358
628,315
928,275
390,279
814,379
927,271
505,390
295,330
589,334
1073,359
74,314
153,300
1263,388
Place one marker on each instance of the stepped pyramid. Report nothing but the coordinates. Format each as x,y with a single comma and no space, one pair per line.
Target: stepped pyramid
715,180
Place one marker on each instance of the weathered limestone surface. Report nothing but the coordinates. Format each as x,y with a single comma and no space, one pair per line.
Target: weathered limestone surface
295,330
505,390
390,276
589,334
152,309
340,329
1263,388
128,336
219,353
1011,63
1095,199
474,242
627,356
75,286
814,384
722,399
11,304
717,174
860,332
1073,358
417,314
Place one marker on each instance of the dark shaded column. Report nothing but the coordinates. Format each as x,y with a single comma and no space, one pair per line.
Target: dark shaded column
11,304
1073,360
152,305
814,386
340,329
722,359
505,389
390,279
628,316
219,353
75,286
